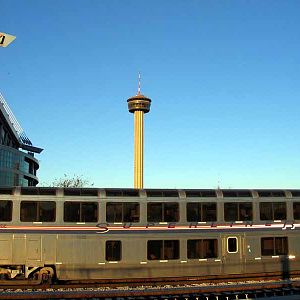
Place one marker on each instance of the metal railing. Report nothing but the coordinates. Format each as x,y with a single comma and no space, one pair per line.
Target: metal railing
14,122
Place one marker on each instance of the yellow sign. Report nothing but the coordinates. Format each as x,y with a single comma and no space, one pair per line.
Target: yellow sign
5,39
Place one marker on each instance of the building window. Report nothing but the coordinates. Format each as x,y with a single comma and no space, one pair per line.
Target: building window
38,211
122,212
232,245
113,251
240,211
272,210
80,211
207,248
163,250
163,212
5,211
274,246
296,207
201,212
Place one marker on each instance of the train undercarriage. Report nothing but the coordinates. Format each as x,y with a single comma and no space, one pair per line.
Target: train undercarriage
22,275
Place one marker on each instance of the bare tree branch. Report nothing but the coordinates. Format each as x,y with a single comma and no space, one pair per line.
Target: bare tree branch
76,181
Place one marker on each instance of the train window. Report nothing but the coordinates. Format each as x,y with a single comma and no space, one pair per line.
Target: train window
229,193
201,193
272,210
268,193
296,207
231,211
29,191
113,251
6,191
170,193
206,248
274,246
279,210
47,191
162,193
72,191
154,212
238,211
232,246
80,211
281,245
163,212
5,211
201,212
163,250
89,192
38,211
238,193
295,193
121,193
266,212
80,192
122,212
38,191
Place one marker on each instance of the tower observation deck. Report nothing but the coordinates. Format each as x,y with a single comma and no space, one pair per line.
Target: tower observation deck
138,105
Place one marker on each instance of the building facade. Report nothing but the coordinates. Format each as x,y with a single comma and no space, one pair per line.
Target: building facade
18,166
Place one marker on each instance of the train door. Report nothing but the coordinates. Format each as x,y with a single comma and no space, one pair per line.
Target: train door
33,250
232,254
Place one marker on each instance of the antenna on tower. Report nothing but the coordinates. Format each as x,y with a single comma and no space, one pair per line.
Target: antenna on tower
139,85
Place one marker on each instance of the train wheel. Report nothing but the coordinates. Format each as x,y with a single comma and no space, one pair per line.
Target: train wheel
46,275
3,276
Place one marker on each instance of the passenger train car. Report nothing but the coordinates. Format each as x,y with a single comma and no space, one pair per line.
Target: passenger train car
117,234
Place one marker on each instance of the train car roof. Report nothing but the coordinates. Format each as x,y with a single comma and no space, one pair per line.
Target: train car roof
149,193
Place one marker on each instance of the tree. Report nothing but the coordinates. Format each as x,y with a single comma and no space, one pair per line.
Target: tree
76,181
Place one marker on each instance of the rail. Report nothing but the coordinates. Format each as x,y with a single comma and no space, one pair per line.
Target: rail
172,291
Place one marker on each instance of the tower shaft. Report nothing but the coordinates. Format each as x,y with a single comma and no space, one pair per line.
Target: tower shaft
139,105
138,149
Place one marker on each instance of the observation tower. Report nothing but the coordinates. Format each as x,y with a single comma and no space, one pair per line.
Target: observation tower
138,105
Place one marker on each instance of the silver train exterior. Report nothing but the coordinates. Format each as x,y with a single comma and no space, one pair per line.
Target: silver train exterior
83,234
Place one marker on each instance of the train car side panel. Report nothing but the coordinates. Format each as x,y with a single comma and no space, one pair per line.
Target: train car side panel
5,249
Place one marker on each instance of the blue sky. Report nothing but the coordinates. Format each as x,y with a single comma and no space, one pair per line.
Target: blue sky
223,77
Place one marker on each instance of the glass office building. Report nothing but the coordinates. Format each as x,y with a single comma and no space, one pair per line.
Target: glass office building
18,166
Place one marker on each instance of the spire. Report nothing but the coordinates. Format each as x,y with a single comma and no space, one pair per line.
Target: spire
139,84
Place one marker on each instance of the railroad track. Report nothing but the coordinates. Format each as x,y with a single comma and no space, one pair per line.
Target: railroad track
173,281
192,291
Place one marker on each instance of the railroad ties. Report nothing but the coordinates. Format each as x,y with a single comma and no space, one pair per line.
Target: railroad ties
232,291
